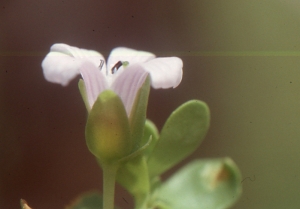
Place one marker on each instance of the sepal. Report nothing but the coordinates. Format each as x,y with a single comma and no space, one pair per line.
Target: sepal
107,130
150,130
137,116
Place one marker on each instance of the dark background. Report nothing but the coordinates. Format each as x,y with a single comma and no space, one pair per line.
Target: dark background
241,57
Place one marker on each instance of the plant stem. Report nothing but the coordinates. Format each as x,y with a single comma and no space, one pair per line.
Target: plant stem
109,177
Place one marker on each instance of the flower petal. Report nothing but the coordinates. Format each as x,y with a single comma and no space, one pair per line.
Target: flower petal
130,55
127,83
164,72
95,81
62,63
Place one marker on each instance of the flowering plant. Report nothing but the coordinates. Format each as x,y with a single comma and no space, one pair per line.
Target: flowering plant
128,147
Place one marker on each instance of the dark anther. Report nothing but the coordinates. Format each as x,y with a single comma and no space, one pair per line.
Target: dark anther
116,67
101,64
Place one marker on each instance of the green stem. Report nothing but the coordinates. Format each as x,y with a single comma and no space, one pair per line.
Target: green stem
109,177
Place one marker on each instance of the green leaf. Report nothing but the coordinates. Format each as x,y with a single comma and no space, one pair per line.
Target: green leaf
202,184
150,130
82,90
107,130
133,176
138,114
91,200
181,135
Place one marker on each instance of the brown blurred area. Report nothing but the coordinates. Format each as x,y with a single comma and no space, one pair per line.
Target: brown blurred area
236,58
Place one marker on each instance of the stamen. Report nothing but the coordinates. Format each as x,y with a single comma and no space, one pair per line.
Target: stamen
116,67
101,64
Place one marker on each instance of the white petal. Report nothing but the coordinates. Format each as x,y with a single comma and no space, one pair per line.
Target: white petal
130,55
127,84
95,82
62,63
164,72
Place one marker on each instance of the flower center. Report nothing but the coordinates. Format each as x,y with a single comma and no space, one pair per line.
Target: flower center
115,68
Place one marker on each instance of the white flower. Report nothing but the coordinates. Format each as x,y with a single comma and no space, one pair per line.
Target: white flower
124,72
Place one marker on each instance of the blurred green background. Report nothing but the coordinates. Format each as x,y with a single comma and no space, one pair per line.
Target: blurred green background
241,57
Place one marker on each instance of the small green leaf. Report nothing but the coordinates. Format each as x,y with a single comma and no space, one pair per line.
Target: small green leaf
133,176
138,114
107,130
92,200
82,90
202,184
181,135
150,130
